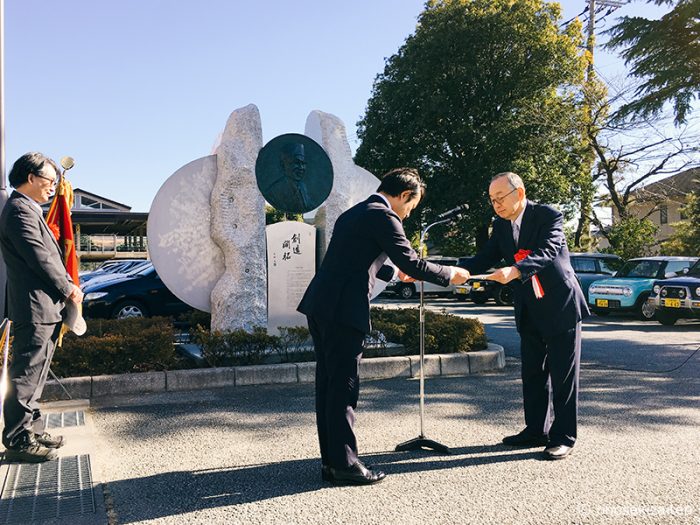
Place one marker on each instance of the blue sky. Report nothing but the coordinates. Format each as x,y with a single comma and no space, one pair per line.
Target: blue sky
134,89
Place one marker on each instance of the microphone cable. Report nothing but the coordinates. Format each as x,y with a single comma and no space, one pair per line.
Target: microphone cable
654,372
637,370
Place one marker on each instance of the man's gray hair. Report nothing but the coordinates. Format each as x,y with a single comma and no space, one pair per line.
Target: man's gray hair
513,179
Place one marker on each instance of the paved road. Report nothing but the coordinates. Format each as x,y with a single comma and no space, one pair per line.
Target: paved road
249,454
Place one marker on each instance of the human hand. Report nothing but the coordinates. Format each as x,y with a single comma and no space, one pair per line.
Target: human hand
460,276
76,295
405,278
505,275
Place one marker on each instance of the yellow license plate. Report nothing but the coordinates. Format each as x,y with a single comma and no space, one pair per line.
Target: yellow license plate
476,286
672,303
461,290
602,303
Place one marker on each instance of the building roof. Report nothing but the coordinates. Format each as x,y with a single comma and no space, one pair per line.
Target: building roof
102,199
677,187
109,221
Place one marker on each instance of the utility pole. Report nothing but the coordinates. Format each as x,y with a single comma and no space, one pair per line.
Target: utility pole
582,235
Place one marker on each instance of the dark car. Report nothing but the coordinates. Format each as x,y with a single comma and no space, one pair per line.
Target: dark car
112,266
410,290
677,297
481,290
590,267
138,294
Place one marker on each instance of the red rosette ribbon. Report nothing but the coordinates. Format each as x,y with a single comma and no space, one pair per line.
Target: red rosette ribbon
536,285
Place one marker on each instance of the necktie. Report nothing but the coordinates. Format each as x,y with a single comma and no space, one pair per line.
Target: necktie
516,232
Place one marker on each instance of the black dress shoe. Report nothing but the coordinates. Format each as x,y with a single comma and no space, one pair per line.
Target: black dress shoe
357,474
25,448
327,475
557,451
50,441
525,439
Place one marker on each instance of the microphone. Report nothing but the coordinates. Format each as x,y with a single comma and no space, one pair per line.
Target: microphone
453,213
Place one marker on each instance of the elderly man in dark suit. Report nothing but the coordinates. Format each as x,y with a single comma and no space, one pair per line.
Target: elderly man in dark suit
37,288
549,308
336,305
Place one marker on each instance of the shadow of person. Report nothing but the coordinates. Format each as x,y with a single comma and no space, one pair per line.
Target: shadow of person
173,493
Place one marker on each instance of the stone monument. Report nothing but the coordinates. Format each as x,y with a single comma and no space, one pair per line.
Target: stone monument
291,264
206,227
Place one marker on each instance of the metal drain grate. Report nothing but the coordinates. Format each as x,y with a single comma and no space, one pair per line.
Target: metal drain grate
65,419
54,489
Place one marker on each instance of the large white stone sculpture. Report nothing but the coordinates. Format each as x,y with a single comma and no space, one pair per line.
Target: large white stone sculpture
179,234
206,228
239,298
351,183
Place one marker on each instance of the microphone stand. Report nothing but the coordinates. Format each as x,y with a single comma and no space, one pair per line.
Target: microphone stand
422,442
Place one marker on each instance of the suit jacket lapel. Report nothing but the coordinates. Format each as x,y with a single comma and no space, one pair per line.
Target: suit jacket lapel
526,226
25,202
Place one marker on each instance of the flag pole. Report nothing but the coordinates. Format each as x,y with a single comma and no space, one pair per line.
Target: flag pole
3,186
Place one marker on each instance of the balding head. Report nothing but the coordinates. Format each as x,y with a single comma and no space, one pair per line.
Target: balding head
507,195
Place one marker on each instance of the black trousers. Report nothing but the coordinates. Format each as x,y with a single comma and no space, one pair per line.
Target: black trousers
338,353
32,350
550,374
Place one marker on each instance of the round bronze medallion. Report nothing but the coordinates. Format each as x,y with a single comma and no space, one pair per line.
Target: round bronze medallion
294,173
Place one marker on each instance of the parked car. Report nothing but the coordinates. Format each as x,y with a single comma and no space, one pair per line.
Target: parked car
481,290
110,267
410,290
591,267
138,294
631,286
118,273
677,297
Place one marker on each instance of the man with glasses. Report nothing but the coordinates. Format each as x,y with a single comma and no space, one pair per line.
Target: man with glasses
38,287
549,308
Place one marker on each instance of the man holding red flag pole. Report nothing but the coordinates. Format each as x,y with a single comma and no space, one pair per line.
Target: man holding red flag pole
39,290
549,309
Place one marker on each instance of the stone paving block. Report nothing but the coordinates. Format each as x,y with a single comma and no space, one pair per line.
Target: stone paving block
266,374
77,387
200,378
306,372
487,360
431,365
454,364
108,385
384,367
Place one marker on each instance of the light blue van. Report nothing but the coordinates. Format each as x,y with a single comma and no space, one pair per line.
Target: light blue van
629,289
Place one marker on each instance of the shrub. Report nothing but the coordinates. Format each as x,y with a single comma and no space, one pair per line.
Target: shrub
291,343
117,346
444,333
194,318
236,347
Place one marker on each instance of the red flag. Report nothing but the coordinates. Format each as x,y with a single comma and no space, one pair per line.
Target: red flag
60,223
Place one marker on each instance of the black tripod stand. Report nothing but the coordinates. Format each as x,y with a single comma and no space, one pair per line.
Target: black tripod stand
422,442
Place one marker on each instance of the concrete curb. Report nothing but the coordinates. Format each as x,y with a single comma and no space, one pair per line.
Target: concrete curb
434,365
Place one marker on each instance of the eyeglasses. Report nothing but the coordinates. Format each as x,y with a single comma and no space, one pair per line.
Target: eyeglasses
52,181
499,200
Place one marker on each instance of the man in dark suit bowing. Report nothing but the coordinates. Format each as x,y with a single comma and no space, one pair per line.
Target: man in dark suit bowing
336,304
38,287
549,308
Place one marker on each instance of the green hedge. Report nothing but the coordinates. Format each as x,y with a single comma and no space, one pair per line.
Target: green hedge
141,345
118,346
444,333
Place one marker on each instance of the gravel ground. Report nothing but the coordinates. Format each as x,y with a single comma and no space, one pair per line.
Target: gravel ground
249,454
